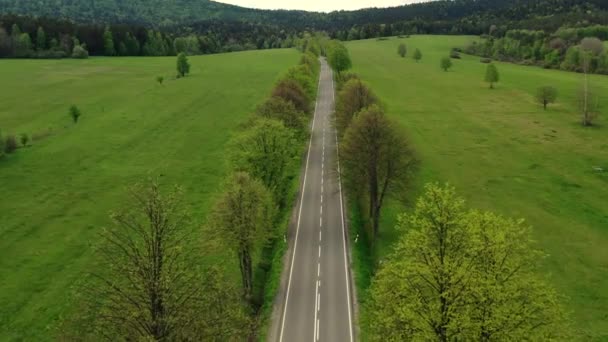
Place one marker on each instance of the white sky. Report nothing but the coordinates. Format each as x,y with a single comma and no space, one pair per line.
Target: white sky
318,5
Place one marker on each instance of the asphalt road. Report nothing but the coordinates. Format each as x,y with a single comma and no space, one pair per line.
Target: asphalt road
317,292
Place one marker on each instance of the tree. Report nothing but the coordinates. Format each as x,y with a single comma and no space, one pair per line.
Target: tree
267,150
1,145
160,79
183,67
402,50
446,63
376,160
75,113
292,91
546,95
242,221
353,97
417,55
149,284
591,47
10,144
40,39
492,75
279,109
80,52
24,139
338,58
462,275
108,42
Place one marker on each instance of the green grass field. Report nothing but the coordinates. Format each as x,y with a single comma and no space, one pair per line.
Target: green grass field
504,153
56,194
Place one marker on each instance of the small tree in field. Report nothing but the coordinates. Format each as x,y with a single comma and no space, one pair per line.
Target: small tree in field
24,139
402,50
160,80
546,95
417,55
446,63
75,113
183,66
492,75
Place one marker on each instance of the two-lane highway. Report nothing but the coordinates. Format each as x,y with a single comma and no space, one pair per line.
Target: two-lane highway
317,303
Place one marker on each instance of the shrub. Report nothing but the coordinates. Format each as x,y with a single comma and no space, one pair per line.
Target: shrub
79,52
455,55
486,60
291,91
446,63
24,139
10,144
1,145
160,80
75,113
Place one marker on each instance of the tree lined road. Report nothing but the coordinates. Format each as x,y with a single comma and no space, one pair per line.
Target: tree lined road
317,303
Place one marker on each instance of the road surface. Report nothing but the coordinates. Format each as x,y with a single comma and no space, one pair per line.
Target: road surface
317,292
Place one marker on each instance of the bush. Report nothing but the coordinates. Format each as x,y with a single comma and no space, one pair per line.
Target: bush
486,60
75,113
10,144
291,91
79,52
455,55
24,139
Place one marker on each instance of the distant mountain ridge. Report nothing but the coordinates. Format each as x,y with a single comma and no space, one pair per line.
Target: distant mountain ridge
167,13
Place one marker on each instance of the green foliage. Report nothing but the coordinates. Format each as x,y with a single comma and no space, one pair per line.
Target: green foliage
352,98
402,50
241,220
24,138
417,55
10,144
291,91
266,151
492,75
303,75
1,145
75,113
338,57
40,39
108,42
279,109
188,45
183,66
546,95
79,52
376,161
446,63
160,79
464,275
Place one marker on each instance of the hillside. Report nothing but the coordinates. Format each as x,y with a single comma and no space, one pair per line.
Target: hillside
465,13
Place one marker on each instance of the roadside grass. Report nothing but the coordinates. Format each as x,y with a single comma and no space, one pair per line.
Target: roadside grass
57,194
503,153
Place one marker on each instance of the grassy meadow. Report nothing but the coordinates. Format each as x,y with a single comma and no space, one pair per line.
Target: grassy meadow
57,193
504,153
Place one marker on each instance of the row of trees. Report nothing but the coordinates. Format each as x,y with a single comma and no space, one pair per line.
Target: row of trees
577,50
152,282
26,37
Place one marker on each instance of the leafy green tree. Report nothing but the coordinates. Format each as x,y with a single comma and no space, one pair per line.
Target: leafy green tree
338,58
354,97
242,221
183,66
279,109
80,52
417,55
290,90
267,151
402,50
376,161
40,39
461,275
446,63
492,75
546,95
108,42
75,113
160,80
23,45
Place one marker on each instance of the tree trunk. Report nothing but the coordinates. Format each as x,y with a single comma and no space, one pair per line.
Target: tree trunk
246,272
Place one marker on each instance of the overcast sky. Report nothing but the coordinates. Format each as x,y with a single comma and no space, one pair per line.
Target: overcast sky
317,5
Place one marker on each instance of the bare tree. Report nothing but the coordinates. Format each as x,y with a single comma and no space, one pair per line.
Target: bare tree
148,284
590,47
